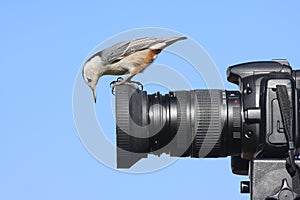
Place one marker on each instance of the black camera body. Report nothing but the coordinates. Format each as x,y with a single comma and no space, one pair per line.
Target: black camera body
257,126
262,128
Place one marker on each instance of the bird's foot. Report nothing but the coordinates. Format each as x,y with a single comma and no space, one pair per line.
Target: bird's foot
117,82
136,84
113,84
120,81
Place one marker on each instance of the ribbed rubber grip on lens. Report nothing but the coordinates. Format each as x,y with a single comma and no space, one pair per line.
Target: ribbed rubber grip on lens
210,109
125,156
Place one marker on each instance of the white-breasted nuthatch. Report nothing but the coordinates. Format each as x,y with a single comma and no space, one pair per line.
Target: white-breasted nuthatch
128,57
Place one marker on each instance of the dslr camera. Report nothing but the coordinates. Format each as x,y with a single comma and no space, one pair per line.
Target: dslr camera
258,126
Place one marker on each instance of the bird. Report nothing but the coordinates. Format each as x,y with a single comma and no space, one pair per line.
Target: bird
127,57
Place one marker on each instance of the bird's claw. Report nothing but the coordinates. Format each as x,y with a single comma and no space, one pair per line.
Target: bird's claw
113,84
137,84
119,79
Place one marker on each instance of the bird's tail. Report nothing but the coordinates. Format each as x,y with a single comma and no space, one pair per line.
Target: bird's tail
163,43
173,40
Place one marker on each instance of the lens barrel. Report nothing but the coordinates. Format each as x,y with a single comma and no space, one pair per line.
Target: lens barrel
196,123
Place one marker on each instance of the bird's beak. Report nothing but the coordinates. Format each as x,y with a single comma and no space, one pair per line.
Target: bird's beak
94,94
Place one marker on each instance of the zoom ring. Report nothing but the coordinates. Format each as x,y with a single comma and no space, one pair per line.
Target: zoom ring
210,106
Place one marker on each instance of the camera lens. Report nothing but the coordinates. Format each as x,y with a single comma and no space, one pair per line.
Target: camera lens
196,123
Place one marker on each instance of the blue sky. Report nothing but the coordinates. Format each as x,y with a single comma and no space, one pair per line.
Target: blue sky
43,46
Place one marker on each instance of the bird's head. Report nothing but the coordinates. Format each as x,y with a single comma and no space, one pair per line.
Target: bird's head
91,72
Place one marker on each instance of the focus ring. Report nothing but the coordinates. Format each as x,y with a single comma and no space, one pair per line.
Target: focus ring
210,107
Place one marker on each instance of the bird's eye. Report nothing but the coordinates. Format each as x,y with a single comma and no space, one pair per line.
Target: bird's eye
89,80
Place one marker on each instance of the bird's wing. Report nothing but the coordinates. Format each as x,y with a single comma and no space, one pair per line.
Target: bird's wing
123,49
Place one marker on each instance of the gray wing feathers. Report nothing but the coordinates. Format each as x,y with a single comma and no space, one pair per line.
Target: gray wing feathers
123,49
113,53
